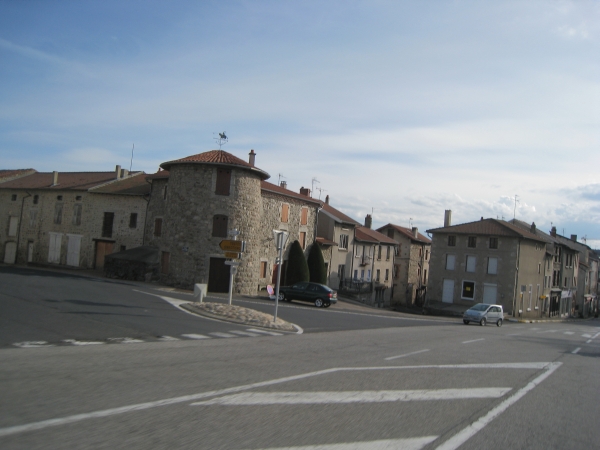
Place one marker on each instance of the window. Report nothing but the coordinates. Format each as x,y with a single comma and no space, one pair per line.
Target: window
471,262
493,242
539,267
164,262
78,198
341,272
450,260
377,274
492,268
343,242
448,291
133,220
424,276
219,228
32,217
223,181
157,227
426,255
285,212
77,214
387,253
468,290
472,241
13,198
357,251
369,275
302,239
58,210
451,241
566,282
107,224
304,216
356,274
36,199
379,252
399,250
59,198
263,269
390,233
165,192
123,248
13,225
420,251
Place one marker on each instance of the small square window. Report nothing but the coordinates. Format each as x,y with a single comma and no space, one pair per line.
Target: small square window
472,241
59,198
13,198
493,242
468,290
78,198
36,199
451,241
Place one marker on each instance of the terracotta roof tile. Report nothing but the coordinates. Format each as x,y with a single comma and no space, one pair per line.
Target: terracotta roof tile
340,216
132,185
270,187
7,175
158,175
408,233
78,181
217,157
488,227
365,234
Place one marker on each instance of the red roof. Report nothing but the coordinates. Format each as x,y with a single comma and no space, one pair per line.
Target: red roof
365,234
158,175
132,185
216,157
407,232
270,187
340,216
7,175
78,181
488,227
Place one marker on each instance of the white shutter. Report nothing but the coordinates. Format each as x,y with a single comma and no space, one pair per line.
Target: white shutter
492,265
450,262
448,291
13,224
490,293
54,247
471,261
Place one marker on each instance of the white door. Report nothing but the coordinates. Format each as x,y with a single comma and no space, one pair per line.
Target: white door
448,291
489,293
54,247
30,252
10,252
73,247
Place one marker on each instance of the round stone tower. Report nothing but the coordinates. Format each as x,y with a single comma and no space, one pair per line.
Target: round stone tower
209,195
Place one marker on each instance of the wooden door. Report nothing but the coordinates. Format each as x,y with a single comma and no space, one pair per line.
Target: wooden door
218,275
102,249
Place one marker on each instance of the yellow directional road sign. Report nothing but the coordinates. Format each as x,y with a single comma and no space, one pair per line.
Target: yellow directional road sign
232,255
232,246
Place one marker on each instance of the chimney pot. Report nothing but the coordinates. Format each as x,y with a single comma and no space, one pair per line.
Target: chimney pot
125,173
252,158
305,191
533,227
368,221
415,231
283,184
574,237
448,218
553,232
327,199
118,171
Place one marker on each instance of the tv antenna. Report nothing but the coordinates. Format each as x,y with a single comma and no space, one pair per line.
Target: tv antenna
410,223
321,191
222,139
131,163
314,180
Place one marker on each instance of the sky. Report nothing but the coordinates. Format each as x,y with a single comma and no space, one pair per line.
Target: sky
399,109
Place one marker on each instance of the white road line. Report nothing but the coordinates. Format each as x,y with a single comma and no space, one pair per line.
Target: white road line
586,335
32,344
328,398
569,332
516,334
244,333
195,336
588,341
534,329
474,340
125,340
387,444
222,335
548,331
32,426
270,333
595,336
75,342
576,350
406,354
458,439
168,338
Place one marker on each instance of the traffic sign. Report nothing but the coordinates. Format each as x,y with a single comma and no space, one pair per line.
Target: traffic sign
232,255
232,246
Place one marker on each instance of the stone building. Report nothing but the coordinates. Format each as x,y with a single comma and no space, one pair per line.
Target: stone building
411,265
197,201
70,218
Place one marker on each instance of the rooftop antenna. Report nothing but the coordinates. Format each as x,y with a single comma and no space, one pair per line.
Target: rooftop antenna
314,180
321,191
131,163
410,223
279,179
221,140
515,210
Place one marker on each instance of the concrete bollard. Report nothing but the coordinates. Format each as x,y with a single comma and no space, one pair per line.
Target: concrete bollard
200,291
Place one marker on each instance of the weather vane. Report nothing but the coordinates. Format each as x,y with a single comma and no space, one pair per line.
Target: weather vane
221,140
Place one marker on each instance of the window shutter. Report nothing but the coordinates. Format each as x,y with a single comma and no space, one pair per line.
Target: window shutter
223,181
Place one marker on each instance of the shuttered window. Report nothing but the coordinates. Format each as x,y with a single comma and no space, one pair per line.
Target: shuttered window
302,240
450,262
158,227
304,216
77,214
107,224
285,212
223,181
164,262
58,210
471,262
493,266
219,226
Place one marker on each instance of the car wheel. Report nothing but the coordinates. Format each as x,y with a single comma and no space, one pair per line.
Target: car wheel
326,304
318,303
482,322
282,297
466,322
499,323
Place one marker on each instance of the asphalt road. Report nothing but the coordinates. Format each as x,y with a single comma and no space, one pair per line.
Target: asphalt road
445,386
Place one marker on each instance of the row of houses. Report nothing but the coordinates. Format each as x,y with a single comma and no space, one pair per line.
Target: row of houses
168,225
177,217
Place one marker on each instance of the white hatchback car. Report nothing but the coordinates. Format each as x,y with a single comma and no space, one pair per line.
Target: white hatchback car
482,313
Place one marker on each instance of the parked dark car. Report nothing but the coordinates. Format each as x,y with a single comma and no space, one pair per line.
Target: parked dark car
319,294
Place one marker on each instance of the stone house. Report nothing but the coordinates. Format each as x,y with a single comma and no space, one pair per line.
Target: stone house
489,261
411,264
71,218
197,201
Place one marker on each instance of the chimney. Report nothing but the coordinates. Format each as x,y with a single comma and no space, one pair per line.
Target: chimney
448,218
574,237
553,232
327,199
252,157
124,173
54,178
368,221
283,184
305,191
118,171
533,227
415,232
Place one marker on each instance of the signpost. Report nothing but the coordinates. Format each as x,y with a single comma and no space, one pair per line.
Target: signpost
230,245
232,249
280,240
232,255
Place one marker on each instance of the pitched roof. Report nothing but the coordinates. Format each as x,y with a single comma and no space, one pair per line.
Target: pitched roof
7,175
158,175
337,215
408,233
364,234
76,181
135,184
270,187
217,157
525,226
325,241
488,227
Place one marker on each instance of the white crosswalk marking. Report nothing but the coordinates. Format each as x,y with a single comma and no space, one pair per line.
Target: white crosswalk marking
270,333
195,336
32,344
569,332
586,335
76,342
125,340
168,338
223,335
244,333
387,444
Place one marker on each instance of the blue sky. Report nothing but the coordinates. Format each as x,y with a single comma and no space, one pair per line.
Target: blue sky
399,108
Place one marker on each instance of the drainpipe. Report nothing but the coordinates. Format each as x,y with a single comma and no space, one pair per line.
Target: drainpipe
20,225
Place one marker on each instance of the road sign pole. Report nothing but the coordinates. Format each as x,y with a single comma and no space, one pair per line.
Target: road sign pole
231,272
280,239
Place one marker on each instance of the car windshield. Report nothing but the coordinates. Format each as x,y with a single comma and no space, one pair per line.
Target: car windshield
480,307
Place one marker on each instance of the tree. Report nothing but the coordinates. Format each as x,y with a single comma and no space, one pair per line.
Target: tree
316,265
297,268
